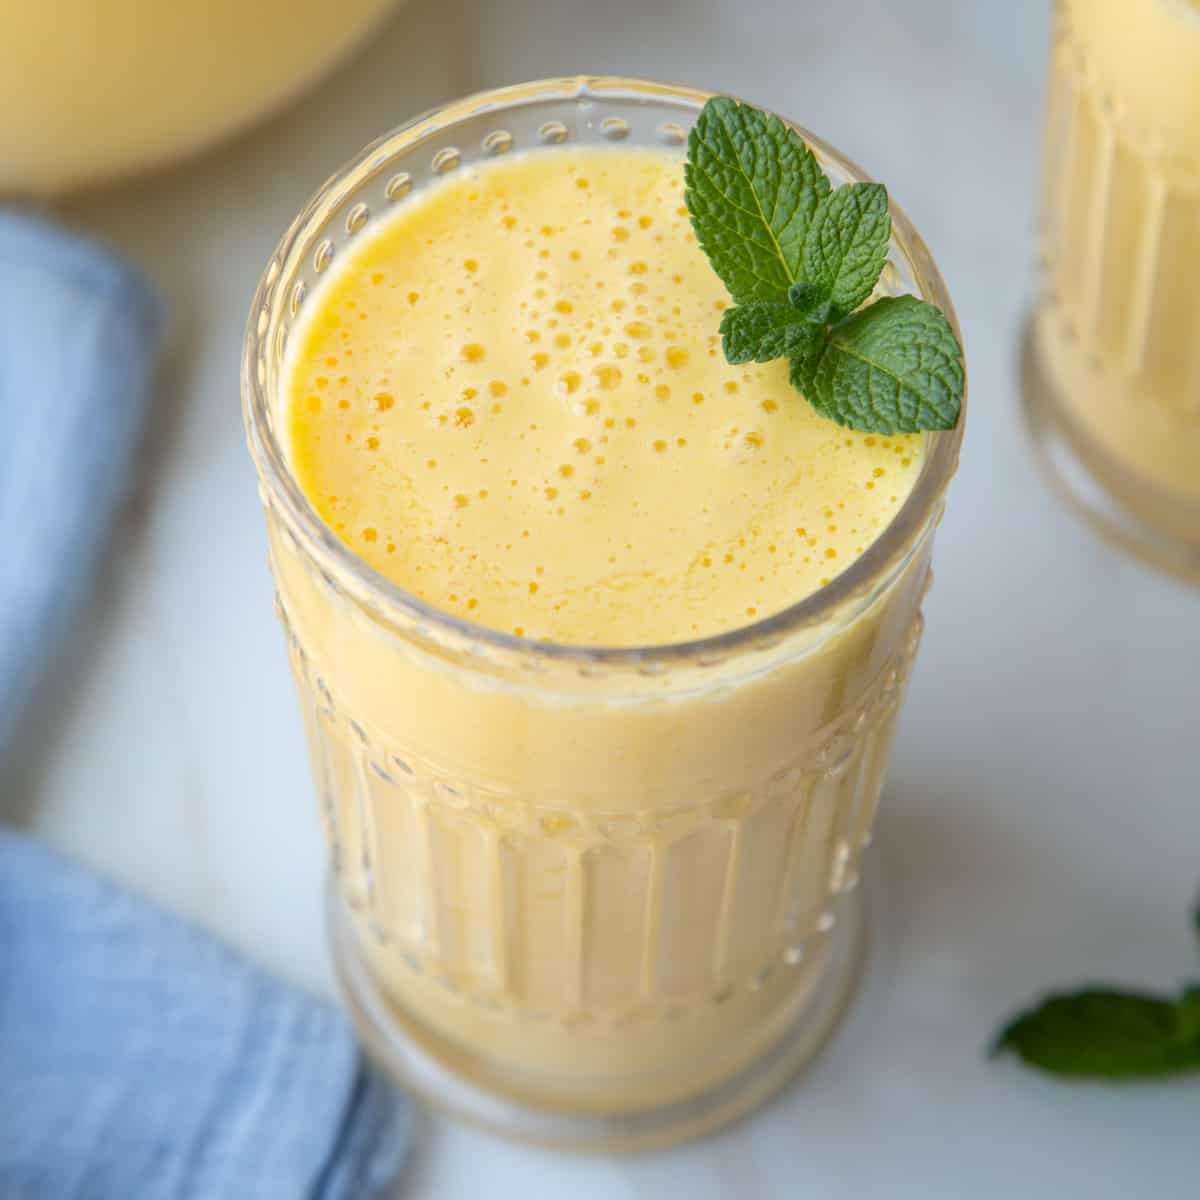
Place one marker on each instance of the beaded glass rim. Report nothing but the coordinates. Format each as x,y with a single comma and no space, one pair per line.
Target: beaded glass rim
279,298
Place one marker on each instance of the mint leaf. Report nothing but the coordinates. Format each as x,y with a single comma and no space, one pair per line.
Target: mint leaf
752,189
847,244
1109,1034
893,367
767,330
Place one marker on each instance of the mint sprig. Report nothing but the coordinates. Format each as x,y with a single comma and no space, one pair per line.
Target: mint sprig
1109,1033
799,258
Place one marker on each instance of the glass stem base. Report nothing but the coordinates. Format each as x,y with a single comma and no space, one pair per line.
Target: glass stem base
1055,443
411,1063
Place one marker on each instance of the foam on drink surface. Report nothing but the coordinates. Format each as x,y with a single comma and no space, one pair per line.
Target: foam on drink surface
509,397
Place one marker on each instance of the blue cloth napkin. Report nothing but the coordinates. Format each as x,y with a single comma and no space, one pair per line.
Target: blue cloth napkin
78,334
142,1059
138,1057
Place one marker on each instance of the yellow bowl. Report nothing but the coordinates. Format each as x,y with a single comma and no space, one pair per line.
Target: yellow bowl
90,91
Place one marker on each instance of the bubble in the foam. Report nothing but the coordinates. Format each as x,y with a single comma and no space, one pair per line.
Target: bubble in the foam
607,376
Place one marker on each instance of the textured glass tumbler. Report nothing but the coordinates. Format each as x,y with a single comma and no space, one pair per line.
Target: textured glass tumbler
598,898
1112,350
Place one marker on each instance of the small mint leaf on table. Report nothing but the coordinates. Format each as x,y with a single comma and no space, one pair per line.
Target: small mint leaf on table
892,367
847,244
752,189
798,259
767,330
1107,1033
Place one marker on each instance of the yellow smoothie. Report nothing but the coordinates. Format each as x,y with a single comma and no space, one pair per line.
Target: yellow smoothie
1117,327
599,887
511,400
95,89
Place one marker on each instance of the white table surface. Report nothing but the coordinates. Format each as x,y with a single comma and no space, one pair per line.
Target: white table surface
1042,820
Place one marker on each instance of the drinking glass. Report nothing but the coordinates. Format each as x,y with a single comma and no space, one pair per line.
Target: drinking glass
1111,367
584,896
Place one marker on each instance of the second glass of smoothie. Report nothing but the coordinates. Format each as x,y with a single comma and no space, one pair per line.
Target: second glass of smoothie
600,641
1112,358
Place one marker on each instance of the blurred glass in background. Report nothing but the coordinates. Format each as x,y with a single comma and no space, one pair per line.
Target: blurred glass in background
1112,370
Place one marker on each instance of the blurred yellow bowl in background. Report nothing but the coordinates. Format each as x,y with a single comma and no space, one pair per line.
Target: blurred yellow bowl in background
104,88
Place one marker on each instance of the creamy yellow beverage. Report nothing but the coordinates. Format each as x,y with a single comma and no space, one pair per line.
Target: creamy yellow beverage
599,640
511,400
94,89
1117,328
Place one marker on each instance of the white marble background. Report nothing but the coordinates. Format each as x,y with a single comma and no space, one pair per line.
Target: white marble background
1042,820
